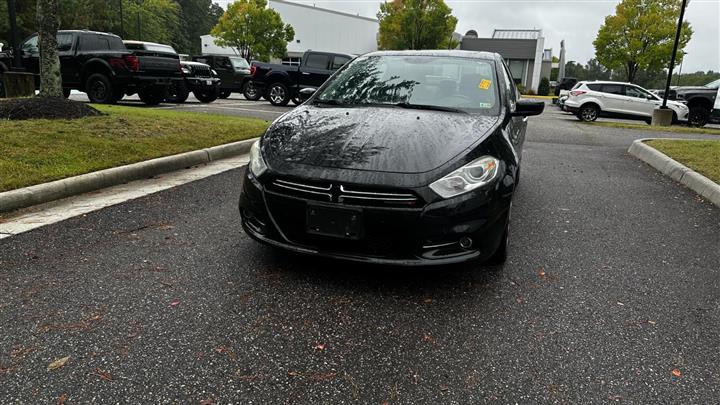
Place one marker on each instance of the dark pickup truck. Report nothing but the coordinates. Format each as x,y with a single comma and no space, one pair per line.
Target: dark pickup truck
99,64
700,100
282,83
233,71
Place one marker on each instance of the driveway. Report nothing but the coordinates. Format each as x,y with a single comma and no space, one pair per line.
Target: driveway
611,293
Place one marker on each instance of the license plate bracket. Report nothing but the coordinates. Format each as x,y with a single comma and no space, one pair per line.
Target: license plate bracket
344,223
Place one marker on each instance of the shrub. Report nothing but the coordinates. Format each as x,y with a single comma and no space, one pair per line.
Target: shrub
544,87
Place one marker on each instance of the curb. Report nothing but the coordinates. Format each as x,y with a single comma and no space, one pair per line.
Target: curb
676,171
55,190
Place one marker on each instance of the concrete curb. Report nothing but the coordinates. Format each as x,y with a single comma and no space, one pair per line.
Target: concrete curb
54,190
676,171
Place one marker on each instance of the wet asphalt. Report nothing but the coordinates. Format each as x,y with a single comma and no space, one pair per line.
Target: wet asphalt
611,293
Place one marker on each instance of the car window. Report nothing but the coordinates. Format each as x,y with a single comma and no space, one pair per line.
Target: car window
632,91
613,89
239,63
317,61
713,85
339,61
160,48
90,43
594,87
465,84
64,41
202,60
31,45
223,62
578,84
509,84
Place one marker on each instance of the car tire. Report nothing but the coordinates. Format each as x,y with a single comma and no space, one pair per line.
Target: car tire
588,113
178,93
152,96
224,94
278,94
207,96
66,92
500,256
251,93
99,89
648,121
296,100
698,116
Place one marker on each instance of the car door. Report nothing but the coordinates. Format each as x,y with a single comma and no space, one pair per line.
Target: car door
516,126
640,102
315,70
224,69
69,67
613,97
30,54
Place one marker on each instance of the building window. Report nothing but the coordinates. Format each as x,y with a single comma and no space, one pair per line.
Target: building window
291,61
517,69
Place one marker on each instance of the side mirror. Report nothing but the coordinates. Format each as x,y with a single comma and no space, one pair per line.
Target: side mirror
306,93
525,108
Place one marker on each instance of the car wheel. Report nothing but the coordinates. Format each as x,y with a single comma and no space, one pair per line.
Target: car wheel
152,96
648,121
588,113
501,254
296,100
251,92
278,94
177,93
66,92
99,89
699,116
207,95
224,94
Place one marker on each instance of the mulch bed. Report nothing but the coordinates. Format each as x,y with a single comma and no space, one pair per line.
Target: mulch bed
44,108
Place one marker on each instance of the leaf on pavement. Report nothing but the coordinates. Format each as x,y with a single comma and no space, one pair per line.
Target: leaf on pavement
174,303
541,273
292,373
428,338
320,347
208,401
61,399
676,372
103,374
58,363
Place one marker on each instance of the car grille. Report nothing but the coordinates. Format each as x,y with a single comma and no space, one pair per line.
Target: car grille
344,194
201,71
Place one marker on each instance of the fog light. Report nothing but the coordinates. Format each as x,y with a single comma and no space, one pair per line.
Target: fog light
466,242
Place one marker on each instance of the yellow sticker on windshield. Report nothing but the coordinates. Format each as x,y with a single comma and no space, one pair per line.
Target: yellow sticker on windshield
485,84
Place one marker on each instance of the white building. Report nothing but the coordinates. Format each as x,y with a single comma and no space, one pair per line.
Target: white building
318,29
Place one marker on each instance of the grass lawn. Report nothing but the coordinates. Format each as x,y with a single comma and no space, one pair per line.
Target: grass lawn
701,156
645,127
38,151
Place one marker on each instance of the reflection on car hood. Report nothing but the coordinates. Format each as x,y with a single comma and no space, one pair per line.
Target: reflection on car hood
371,138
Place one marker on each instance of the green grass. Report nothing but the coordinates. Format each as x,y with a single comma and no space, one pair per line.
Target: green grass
645,127
701,156
38,151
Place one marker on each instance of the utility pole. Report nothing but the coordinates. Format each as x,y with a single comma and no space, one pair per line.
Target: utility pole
17,60
138,22
674,52
122,20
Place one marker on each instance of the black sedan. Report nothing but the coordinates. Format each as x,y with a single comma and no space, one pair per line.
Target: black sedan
407,158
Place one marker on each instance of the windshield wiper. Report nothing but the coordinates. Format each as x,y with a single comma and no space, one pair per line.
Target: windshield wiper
428,107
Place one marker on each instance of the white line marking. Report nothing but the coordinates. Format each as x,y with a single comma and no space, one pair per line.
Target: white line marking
56,211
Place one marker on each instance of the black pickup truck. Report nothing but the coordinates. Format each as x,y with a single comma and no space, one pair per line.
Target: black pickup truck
282,83
233,71
700,100
99,64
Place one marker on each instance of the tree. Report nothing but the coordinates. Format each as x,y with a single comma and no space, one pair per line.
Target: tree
151,20
416,24
253,30
640,36
544,87
50,79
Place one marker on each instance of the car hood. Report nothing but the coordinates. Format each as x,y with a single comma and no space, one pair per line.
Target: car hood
372,138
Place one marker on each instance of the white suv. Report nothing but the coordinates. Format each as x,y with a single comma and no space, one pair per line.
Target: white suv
590,100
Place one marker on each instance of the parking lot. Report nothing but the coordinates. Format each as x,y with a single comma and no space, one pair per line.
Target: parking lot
610,293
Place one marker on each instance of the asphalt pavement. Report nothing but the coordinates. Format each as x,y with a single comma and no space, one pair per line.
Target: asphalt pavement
611,293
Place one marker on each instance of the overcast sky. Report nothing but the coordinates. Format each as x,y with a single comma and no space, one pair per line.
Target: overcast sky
575,21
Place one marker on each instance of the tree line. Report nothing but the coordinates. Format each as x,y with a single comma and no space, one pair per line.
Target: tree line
179,23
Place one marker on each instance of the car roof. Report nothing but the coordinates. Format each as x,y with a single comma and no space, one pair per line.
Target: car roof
143,43
448,53
609,82
87,32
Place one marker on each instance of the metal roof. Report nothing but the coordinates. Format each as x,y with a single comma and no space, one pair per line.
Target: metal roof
517,34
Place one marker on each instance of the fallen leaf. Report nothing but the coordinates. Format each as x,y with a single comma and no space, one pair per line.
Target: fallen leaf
541,273
58,363
103,374
208,401
221,349
621,304
428,338
320,346
292,373
174,303
676,372
428,300
95,317
651,322
61,399
444,387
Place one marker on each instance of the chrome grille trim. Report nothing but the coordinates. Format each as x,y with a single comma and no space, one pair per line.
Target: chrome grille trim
348,192
339,193
290,183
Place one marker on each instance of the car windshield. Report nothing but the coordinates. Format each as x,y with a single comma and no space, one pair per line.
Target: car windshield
411,81
239,63
713,85
160,48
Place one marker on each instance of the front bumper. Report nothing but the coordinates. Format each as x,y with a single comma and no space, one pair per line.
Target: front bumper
200,83
427,235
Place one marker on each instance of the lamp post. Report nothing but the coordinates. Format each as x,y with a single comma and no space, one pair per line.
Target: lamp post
17,60
674,52
122,20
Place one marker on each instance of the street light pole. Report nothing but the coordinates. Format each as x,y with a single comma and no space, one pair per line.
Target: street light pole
672,57
122,20
17,60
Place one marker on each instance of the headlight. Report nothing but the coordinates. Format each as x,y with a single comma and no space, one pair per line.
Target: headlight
186,71
467,178
257,164
213,72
